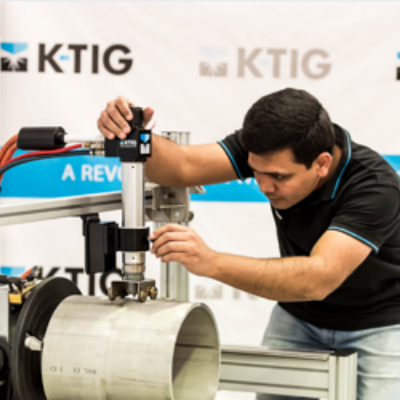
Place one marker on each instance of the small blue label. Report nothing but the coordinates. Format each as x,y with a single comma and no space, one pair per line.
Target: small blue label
144,137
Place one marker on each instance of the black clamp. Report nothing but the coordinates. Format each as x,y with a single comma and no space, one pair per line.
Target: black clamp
137,145
104,239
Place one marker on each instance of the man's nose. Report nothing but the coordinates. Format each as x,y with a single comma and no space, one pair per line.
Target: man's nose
266,185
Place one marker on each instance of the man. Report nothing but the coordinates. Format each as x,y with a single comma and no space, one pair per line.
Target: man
336,206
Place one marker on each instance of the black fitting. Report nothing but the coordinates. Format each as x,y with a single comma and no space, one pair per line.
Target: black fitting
134,239
137,121
104,239
137,145
41,138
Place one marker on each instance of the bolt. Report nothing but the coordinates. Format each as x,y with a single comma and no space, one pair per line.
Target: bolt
153,293
142,296
111,295
33,343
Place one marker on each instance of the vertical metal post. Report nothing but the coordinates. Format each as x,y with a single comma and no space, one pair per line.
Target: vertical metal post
174,276
174,279
4,312
346,377
133,216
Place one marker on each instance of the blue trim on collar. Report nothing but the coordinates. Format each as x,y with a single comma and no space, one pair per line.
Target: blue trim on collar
345,165
232,159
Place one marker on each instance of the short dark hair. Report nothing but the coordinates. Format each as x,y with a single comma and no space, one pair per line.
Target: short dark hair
289,119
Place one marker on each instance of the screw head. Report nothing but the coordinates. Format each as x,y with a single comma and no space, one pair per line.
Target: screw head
142,296
110,294
153,293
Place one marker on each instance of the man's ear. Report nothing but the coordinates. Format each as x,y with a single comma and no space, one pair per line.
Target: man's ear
322,164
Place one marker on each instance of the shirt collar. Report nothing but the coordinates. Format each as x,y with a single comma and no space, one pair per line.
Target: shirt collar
329,190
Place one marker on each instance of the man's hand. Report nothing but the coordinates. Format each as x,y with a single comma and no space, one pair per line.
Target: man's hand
113,120
182,244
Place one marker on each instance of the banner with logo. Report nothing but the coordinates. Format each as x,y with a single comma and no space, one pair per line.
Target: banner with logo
200,65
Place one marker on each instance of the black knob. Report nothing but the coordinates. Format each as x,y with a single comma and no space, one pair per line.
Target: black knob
137,120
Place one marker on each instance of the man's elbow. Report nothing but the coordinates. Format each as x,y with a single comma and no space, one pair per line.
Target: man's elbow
320,294
322,284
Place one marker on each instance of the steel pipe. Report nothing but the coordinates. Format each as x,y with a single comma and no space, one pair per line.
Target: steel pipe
95,349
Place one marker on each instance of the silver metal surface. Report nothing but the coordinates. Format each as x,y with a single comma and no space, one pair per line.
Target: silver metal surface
33,343
95,349
133,212
4,312
289,373
180,137
77,138
133,195
174,282
59,208
263,351
133,285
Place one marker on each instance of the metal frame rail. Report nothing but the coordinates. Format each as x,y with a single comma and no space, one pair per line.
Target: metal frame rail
42,210
312,374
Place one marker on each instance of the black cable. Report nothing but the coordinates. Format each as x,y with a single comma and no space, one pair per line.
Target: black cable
42,157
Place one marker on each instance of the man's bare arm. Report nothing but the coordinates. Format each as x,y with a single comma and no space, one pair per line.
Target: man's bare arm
170,163
334,257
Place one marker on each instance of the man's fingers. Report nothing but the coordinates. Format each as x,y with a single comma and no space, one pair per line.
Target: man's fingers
177,257
106,132
172,247
109,124
167,228
168,237
123,104
119,120
113,120
147,115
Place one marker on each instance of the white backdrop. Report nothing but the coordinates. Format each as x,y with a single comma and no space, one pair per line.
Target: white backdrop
200,66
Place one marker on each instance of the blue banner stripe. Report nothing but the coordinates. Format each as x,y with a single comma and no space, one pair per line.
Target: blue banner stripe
82,175
12,271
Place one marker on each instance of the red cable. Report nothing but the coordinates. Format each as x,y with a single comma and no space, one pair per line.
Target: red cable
26,273
9,153
43,153
6,146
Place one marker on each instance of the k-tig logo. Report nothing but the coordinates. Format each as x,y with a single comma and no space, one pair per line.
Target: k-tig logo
50,57
61,58
215,64
11,59
260,62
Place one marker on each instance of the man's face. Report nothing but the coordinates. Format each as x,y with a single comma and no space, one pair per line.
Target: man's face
284,181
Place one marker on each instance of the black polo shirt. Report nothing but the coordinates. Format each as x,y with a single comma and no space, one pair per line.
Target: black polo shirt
362,200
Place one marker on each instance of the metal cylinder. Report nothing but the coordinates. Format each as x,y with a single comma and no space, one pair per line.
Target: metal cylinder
95,349
133,211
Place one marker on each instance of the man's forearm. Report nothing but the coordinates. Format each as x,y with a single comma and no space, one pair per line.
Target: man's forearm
282,279
165,166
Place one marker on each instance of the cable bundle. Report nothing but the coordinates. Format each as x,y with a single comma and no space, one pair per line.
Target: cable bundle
10,147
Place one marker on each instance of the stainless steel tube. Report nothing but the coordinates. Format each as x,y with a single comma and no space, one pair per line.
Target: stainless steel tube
133,212
95,349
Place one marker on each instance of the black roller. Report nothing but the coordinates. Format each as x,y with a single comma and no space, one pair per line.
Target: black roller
5,370
33,320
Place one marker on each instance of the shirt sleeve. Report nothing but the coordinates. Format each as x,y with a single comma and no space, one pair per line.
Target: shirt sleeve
370,214
232,146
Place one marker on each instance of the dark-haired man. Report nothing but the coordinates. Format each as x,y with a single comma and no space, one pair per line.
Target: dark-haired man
336,206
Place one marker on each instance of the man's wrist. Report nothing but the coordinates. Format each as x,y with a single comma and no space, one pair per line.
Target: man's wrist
216,265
